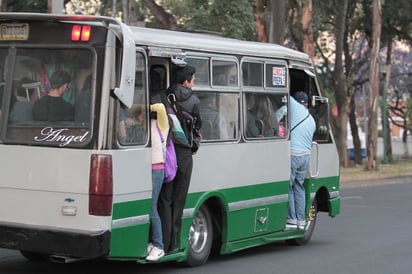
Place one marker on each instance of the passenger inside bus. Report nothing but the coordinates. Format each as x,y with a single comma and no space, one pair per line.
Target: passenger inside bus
132,124
83,95
252,129
214,126
268,125
52,107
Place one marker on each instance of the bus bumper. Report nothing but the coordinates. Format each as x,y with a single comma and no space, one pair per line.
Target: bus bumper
48,241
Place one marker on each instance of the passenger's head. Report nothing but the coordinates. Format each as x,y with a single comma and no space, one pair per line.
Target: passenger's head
59,78
185,75
250,101
301,97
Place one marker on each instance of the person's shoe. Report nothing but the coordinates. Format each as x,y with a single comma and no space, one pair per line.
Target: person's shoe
301,225
149,248
155,254
290,226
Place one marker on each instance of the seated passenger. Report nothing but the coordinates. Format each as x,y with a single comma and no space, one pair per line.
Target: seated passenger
132,124
214,124
251,128
265,114
52,107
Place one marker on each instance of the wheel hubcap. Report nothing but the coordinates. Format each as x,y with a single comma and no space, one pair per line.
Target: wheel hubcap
198,233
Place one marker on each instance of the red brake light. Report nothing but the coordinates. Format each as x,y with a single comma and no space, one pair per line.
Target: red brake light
76,31
81,33
101,185
85,33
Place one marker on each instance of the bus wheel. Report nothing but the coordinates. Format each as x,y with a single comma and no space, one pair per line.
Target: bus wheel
34,256
310,226
200,238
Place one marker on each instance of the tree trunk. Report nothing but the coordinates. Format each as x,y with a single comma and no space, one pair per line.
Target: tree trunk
357,148
277,21
166,19
371,162
260,27
129,12
55,6
339,86
405,142
387,82
307,29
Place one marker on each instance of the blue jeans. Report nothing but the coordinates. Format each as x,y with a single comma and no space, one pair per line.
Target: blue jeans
298,169
155,221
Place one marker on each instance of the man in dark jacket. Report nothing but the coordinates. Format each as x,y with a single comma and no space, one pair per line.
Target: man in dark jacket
173,195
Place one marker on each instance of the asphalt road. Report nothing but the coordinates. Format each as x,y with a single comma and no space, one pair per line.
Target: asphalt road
371,235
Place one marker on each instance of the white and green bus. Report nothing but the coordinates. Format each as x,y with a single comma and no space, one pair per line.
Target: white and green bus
81,189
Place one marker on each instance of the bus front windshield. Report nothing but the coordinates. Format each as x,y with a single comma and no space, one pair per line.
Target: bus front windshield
46,96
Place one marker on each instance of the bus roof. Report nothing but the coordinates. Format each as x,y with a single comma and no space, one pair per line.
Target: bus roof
214,43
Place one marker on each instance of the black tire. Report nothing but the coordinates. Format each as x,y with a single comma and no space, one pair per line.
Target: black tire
34,256
310,226
200,238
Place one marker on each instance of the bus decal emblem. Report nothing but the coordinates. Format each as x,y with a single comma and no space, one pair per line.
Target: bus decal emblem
48,134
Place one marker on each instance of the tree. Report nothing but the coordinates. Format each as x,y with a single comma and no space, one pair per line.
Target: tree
260,27
24,6
371,149
339,85
277,21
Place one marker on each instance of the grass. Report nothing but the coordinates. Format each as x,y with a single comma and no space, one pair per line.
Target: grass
394,169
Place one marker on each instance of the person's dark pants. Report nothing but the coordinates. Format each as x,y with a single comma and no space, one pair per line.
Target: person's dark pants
173,197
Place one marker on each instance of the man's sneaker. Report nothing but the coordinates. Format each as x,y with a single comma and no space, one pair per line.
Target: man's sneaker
149,248
290,226
155,254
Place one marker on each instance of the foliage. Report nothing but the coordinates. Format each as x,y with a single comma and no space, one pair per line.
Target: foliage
94,7
27,6
230,19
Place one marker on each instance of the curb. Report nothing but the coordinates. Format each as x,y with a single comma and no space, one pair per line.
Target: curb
376,182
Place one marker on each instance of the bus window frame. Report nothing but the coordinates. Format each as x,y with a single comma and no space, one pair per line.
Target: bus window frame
270,91
220,89
145,93
225,58
79,126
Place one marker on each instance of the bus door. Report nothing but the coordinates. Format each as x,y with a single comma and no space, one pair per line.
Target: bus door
132,166
324,165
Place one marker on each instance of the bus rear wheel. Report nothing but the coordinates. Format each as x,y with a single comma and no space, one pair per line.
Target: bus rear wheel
200,238
310,226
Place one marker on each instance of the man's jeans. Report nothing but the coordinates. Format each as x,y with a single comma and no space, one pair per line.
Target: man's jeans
299,167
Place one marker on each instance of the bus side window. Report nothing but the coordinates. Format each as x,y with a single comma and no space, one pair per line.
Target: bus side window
224,73
215,125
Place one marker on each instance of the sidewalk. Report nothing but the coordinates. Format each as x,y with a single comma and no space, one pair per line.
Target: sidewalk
397,172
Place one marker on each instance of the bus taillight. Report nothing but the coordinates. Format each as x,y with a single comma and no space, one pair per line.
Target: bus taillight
81,33
85,33
76,31
101,185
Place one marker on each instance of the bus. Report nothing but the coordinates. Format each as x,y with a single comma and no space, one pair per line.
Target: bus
81,189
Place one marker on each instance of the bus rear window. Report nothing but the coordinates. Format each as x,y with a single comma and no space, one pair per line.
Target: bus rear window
47,95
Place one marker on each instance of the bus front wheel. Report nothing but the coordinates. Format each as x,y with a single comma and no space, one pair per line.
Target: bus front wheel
310,226
200,238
